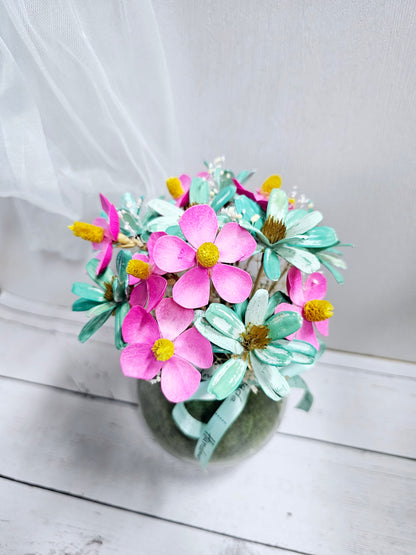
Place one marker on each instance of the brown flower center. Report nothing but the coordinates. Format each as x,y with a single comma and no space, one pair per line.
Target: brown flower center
255,337
274,230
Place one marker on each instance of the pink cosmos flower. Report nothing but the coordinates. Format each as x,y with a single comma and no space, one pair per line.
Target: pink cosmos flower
149,284
111,231
165,345
308,301
203,257
179,188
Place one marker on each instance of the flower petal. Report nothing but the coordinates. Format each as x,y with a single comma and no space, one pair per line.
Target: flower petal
104,256
172,254
232,284
156,287
140,295
275,355
295,286
315,287
322,327
309,221
235,243
195,348
140,327
192,289
307,333
270,380
225,320
283,324
172,318
302,352
319,237
284,307
151,243
302,259
199,225
256,308
277,207
113,220
227,378
138,361
180,379
217,338
271,264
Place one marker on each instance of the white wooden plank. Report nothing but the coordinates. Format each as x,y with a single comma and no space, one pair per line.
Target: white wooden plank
33,520
296,494
349,403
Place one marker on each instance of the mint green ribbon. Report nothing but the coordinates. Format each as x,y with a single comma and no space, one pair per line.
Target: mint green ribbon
209,435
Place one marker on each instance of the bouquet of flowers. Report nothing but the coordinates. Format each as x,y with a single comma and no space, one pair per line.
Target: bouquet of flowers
216,293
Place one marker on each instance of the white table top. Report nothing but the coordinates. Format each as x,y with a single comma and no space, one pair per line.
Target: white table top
80,474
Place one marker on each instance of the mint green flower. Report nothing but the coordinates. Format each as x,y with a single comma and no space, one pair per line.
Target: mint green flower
107,298
289,234
257,345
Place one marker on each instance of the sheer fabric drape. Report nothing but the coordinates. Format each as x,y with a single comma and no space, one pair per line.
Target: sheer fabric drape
85,107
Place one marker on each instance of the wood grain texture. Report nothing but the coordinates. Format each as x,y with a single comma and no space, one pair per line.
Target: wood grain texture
295,494
44,522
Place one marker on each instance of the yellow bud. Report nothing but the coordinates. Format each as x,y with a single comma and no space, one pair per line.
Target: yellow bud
174,186
317,310
272,182
89,232
163,349
139,269
207,255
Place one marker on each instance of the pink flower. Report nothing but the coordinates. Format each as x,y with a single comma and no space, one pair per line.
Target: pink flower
165,345
111,231
256,197
308,301
203,257
147,278
179,187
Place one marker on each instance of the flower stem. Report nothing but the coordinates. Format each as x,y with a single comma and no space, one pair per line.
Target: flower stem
259,275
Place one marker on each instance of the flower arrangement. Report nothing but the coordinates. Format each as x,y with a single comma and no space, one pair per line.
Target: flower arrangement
217,292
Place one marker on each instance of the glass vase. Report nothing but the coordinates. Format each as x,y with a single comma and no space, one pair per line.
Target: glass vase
250,431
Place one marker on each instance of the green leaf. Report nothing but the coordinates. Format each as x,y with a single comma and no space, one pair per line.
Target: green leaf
87,291
100,308
245,175
227,378
165,208
93,325
307,399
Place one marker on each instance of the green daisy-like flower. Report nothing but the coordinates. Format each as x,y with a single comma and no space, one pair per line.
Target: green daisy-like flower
109,297
291,235
257,345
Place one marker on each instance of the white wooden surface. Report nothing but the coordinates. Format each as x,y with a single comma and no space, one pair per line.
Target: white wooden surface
81,475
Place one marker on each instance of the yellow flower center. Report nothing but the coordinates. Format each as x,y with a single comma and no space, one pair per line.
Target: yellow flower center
174,186
255,337
272,182
207,255
274,230
139,269
163,349
316,311
89,232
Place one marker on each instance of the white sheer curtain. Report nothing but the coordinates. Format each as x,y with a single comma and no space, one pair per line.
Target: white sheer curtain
85,107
